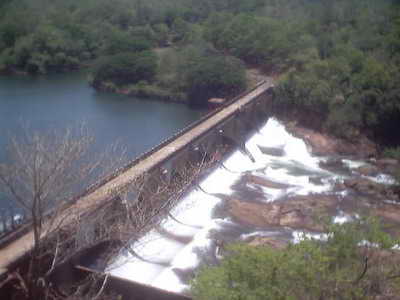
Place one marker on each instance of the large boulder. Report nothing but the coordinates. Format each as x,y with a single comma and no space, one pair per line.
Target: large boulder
388,211
323,144
273,242
368,170
299,212
334,165
386,162
371,188
387,165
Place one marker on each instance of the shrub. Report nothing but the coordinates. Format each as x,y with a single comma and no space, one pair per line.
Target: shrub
213,75
125,68
343,267
392,153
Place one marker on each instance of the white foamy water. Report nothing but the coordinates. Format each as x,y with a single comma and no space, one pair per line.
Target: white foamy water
383,178
299,236
166,258
17,219
342,218
354,164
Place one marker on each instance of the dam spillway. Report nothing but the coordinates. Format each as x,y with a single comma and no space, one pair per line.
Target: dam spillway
168,257
170,155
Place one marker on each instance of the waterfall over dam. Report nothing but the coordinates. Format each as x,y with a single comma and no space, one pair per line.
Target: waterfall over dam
168,256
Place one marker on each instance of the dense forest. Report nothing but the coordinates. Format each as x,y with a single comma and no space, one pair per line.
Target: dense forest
338,61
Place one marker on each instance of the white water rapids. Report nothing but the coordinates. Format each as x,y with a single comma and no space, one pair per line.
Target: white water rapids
168,263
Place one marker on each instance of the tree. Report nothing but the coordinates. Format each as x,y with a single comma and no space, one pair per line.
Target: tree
207,75
121,42
44,173
355,262
124,68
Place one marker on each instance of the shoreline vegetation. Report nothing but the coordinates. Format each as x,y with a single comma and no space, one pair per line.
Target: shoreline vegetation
338,61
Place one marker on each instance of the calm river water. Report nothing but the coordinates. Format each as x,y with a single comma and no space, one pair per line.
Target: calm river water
66,100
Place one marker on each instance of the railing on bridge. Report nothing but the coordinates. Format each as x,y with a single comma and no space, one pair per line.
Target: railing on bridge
165,142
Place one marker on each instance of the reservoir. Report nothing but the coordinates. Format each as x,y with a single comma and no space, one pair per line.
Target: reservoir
60,101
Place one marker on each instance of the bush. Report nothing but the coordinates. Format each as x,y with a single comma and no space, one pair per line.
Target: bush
211,75
153,91
125,68
336,269
392,153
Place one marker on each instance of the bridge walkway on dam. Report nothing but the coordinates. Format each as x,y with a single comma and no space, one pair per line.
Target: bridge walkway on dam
18,248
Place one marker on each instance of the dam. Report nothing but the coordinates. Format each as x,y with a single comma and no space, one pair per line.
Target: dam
171,154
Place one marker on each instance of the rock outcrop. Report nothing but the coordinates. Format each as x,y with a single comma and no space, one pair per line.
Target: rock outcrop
368,187
272,242
323,144
299,212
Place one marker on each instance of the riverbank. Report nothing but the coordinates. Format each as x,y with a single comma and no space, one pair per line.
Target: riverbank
144,90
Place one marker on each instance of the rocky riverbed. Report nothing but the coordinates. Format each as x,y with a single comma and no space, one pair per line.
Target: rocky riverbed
294,181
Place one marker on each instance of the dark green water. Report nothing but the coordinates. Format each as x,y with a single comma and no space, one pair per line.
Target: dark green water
66,100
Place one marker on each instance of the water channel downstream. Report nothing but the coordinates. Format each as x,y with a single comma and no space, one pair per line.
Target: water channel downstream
220,212
60,101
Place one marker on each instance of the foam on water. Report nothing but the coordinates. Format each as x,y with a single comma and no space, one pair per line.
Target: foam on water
383,178
342,218
178,247
354,164
299,236
17,219
221,180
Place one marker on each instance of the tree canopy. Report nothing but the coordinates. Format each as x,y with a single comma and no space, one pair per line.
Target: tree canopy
208,75
125,68
338,268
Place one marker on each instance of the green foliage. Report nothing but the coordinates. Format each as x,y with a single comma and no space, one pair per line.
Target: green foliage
118,42
145,90
207,75
124,68
161,34
392,153
258,40
334,269
352,90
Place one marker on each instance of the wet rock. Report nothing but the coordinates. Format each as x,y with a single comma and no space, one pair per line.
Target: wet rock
334,165
339,186
272,242
368,170
375,192
366,186
385,162
390,166
388,211
319,143
299,212
272,151
265,182
316,180
323,144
